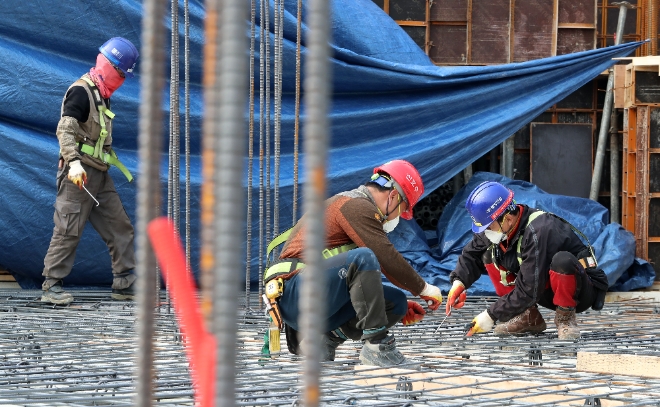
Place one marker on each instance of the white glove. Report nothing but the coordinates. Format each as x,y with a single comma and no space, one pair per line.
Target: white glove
77,174
481,323
432,295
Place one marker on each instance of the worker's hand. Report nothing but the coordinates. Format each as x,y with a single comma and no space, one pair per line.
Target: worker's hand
414,315
481,323
432,295
77,174
456,297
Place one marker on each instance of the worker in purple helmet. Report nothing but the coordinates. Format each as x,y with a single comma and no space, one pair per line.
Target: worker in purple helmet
533,257
85,190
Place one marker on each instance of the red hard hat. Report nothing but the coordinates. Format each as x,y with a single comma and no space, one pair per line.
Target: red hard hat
406,175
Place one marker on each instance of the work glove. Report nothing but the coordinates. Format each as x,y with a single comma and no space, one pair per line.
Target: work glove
432,295
481,323
77,174
414,315
456,297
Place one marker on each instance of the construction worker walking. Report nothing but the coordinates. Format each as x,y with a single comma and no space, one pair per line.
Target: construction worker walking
85,190
359,307
532,257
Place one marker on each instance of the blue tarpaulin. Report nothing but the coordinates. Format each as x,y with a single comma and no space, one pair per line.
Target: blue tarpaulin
389,101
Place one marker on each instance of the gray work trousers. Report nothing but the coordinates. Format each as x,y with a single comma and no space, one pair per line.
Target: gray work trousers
73,207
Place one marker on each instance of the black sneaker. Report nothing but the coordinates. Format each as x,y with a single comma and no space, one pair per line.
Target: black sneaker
56,295
381,353
123,294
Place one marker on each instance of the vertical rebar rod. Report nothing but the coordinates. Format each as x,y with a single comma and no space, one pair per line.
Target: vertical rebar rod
186,50
248,242
615,175
277,64
149,188
230,200
607,110
175,129
263,30
296,126
266,183
317,86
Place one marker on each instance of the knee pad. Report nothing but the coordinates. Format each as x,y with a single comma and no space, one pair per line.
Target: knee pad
564,263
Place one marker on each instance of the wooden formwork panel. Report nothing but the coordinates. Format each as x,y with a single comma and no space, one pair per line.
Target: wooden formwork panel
641,182
629,159
449,10
570,40
408,10
533,29
576,11
489,32
448,44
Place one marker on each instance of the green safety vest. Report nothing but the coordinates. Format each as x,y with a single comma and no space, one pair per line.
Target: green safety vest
96,150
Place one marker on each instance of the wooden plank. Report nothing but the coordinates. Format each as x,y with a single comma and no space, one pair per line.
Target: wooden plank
620,364
7,277
533,24
619,86
489,32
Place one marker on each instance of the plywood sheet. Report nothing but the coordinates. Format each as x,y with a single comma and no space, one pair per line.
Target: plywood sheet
417,33
647,86
490,32
449,44
561,158
533,23
571,40
622,364
577,11
580,99
449,10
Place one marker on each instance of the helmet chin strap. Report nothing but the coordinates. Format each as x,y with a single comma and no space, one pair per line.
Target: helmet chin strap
387,207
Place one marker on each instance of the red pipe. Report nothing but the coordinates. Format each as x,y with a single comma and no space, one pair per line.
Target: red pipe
199,343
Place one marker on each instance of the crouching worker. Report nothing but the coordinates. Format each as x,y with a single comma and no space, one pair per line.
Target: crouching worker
358,306
532,257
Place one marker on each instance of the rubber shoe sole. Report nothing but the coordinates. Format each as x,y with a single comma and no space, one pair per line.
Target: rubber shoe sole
57,301
119,296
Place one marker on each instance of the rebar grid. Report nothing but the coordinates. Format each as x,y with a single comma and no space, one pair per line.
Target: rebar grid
84,354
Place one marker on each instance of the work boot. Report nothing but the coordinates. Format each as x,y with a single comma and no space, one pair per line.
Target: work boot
127,293
530,321
381,353
330,344
567,328
56,295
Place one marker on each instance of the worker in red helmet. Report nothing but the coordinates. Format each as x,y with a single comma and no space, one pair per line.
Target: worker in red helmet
358,306
85,190
532,257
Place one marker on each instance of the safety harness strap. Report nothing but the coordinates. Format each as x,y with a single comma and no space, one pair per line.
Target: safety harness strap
288,267
108,158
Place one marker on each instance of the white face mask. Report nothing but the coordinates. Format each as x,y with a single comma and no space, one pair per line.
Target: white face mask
494,237
390,225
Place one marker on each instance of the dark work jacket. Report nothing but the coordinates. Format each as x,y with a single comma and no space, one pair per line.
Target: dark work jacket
541,239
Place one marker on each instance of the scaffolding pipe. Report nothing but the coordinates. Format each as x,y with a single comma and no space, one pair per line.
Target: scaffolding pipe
149,189
607,108
615,175
228,118
316,99
506,166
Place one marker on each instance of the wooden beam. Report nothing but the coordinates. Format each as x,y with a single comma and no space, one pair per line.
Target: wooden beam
620,364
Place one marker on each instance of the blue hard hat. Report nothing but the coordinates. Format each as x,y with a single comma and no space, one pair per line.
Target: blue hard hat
122,53
487,202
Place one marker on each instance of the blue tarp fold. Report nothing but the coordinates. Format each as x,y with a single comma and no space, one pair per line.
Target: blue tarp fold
389,101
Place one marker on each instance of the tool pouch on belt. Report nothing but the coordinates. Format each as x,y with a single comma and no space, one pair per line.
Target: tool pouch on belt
598,280
62,169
